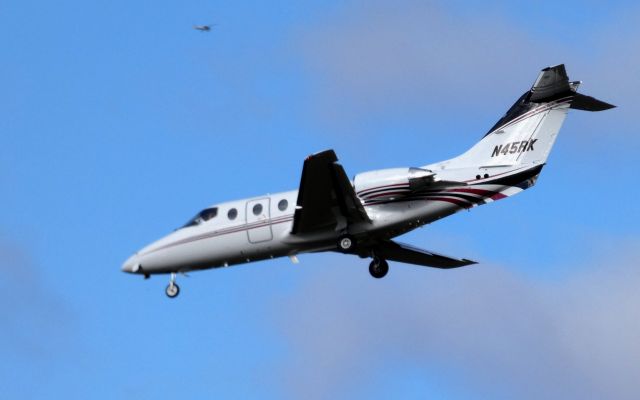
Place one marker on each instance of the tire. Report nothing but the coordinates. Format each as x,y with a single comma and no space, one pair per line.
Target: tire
172,290
379,268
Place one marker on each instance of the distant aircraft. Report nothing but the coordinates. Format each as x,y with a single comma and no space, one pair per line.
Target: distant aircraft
361,217
203,28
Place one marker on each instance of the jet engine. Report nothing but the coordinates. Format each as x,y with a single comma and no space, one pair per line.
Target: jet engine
394,183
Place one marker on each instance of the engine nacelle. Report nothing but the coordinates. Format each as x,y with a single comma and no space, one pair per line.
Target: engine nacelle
390,184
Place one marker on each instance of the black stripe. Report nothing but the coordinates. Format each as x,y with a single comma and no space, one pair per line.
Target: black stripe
520,179
368,192
523,105
466,197
226,231
516,179
383,193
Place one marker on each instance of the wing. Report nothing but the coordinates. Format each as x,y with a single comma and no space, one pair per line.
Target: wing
326,199
404,253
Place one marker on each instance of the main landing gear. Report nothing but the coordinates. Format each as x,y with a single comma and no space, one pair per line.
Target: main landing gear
172,289
378,267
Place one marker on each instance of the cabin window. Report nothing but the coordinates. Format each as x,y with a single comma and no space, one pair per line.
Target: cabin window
283,204
232,214
257,209
202,216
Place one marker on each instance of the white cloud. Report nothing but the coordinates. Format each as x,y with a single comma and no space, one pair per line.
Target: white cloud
382,55
393,58
503,335
34,318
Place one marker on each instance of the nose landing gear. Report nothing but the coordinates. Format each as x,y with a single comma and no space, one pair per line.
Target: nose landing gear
172,289
378,267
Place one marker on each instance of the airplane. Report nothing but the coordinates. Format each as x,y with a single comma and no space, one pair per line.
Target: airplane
362,217
203,28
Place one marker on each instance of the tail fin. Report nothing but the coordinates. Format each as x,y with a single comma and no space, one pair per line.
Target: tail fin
527,132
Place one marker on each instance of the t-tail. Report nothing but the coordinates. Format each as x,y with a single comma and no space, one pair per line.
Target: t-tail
524,136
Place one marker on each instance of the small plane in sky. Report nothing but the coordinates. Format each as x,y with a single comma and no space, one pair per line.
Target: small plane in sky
203,28
329,212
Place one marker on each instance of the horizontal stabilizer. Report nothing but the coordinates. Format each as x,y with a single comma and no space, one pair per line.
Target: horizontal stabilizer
405,253
553,83
588,103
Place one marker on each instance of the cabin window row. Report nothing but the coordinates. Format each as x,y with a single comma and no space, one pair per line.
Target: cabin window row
282,206
232,214
257,209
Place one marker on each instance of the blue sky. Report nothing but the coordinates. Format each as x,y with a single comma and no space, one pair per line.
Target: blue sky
119,121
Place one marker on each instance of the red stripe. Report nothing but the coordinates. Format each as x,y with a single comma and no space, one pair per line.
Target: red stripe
391,193
227,231
533,112
480,192
458,202
362,192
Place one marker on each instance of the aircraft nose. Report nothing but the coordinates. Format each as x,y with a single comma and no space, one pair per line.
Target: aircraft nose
132,265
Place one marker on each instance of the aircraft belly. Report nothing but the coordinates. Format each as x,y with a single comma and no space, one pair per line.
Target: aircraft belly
405,215
410,214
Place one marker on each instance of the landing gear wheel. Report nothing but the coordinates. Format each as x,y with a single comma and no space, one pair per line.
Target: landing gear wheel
346,243
378,268
172,290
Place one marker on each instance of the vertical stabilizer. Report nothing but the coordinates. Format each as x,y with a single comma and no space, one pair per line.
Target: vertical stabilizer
527,132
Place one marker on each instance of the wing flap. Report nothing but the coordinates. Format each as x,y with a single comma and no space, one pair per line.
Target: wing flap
405,253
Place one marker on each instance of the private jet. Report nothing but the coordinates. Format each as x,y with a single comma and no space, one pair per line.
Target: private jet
362,216
203,28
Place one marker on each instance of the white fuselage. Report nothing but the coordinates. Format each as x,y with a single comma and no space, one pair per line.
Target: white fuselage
252,236
331,213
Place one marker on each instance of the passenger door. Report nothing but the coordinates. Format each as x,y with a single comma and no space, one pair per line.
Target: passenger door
258,221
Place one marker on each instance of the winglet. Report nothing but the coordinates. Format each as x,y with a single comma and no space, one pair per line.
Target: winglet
326,196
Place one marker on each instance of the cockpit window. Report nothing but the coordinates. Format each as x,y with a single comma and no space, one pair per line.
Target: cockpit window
202,216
